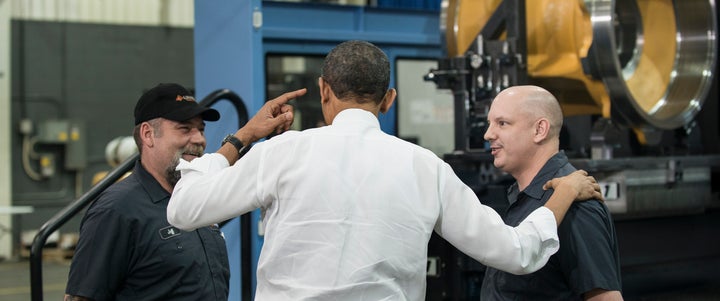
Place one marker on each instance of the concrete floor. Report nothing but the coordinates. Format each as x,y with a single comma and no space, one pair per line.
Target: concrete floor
15,280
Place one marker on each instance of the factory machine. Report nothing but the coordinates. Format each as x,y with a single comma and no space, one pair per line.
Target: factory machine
632,78
639,70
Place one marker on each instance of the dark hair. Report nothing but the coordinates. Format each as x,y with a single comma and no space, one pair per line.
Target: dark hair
357,70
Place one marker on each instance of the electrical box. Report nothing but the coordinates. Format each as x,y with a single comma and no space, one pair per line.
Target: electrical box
53,132
70,133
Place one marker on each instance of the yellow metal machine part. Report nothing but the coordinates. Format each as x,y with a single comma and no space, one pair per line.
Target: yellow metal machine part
559,37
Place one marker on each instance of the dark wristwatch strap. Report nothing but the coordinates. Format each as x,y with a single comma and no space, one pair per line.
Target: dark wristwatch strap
239,146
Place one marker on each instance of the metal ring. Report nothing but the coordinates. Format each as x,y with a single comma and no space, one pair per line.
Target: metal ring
629,77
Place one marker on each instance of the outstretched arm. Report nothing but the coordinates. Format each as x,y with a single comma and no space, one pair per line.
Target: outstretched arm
575,186
274,116
478,231
208,189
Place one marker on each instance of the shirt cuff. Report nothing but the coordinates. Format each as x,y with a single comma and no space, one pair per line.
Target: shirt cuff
205,164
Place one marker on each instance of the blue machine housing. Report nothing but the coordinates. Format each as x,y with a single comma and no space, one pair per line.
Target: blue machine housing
232,39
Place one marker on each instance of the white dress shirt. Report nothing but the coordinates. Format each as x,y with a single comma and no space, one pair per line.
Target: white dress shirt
349,210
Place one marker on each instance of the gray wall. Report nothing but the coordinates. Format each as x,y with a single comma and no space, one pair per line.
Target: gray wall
91,73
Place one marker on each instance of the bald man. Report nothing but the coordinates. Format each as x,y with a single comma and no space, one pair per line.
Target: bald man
523,131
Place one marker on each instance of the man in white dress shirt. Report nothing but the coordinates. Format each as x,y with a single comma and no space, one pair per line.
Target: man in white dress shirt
349,209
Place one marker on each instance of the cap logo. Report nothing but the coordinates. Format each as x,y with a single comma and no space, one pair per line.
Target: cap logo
184,98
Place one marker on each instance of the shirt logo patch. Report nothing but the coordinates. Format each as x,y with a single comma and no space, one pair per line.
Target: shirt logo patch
169,232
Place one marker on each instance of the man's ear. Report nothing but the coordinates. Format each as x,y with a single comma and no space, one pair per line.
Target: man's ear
388,100
147,134
542,129
324,90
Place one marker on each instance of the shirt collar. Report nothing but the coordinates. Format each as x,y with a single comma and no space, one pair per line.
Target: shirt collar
152,187
356,118
535,189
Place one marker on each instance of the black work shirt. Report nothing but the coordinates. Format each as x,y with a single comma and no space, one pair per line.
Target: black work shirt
588,256
128,250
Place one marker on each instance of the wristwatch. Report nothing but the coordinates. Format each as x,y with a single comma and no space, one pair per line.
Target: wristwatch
239,146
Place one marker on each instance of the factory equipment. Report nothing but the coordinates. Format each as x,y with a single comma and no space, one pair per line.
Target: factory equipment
639,69
631,78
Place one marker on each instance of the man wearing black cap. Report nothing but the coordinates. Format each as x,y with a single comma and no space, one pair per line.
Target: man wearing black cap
127,249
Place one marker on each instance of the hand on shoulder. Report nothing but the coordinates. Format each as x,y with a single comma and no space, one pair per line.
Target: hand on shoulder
585,186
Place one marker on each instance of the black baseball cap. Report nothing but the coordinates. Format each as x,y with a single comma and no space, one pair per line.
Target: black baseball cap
171,101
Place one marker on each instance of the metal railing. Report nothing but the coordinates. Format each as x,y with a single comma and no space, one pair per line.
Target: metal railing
67,213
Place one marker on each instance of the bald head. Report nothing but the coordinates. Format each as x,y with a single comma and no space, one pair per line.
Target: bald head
536,103
523,130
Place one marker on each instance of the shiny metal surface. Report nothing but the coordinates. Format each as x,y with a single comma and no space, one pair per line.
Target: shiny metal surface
677,66
646,64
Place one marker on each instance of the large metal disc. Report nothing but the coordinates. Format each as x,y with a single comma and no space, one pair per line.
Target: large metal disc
656,58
